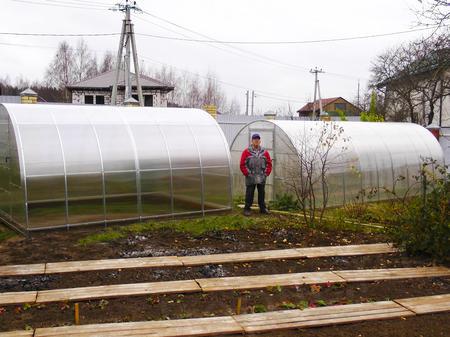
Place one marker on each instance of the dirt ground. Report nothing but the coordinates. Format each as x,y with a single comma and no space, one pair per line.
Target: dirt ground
63,246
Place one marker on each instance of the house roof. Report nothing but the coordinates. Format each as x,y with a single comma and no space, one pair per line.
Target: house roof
325,101
106,81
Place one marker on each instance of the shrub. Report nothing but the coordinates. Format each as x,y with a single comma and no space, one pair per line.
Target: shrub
285,202
422,225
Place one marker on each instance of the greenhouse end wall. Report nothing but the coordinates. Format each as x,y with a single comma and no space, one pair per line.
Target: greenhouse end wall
68,165
366,158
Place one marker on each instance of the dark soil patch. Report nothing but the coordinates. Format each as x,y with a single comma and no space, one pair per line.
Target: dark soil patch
63,246
215,304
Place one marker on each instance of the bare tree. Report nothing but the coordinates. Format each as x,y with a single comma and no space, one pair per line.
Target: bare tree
212,92
107,63
61,71
413,77
319,150
433,12
85,63
234,108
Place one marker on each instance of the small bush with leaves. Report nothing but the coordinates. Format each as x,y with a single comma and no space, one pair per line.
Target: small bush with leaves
284,202
422,225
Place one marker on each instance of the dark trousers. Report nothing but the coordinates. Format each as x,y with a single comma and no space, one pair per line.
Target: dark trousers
250,195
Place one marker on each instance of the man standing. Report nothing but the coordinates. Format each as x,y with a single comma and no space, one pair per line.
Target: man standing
256,166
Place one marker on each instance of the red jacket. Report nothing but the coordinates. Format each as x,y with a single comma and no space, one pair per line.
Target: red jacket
246,154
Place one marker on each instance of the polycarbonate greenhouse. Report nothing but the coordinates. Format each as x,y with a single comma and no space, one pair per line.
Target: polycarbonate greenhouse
363,158
64,165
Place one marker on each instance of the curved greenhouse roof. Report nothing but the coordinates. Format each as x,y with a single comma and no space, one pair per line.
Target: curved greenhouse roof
364,158
71,165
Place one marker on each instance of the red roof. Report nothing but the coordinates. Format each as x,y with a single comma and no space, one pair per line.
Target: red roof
309,107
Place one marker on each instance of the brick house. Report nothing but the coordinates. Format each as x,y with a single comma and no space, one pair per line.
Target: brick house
98,90
331,106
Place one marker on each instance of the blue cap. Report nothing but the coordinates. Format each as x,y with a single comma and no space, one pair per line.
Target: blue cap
256,136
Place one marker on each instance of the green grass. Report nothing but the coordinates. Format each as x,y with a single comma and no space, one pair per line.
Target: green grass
6,234
228,222
195,227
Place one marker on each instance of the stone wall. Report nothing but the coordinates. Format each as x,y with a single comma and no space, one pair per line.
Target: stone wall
159,98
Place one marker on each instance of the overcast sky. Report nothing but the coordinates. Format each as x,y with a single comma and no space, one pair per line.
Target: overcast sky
238,20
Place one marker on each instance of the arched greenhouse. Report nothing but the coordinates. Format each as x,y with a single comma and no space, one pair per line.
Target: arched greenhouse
68,165
374,159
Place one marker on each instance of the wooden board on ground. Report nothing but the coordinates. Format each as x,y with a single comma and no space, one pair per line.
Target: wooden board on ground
264,281
293,319
134,263
118,290
427,304
266,255
174,261
350,250
20,270
18,297
392,274
17,334
188,327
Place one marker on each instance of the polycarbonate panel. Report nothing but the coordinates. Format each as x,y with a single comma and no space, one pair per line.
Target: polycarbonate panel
116,148
93,149
187,190
156,194
121,195
214,180
151,147
42,150
85,198
212,145
81,157
182,146
46,201
374,156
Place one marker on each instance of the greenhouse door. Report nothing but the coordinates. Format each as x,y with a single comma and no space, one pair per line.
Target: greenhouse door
267,141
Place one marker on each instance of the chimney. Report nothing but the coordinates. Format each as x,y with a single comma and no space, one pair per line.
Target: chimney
28,96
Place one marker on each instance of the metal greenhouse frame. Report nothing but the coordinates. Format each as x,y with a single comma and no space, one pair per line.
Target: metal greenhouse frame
68,165
374,156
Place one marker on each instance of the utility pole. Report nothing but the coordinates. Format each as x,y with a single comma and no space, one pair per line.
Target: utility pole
247,94
359,100
316,72
127,41
253,102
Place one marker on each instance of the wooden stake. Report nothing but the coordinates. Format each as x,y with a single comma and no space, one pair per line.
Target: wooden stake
239,305
77,314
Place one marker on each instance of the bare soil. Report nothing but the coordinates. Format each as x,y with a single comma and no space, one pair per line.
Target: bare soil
63,246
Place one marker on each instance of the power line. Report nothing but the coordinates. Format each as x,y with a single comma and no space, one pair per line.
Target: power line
59,35
222,41
261,93
60,4
285,42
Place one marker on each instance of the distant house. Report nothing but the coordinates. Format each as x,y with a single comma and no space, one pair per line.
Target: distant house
331,106
98,90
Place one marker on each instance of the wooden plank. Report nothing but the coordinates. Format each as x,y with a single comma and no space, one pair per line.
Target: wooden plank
350,250
427,304
119,290
264,281
93,265
18,297
266,255
392,274
174,261
188,327
21,270
321,316
23,333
